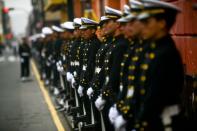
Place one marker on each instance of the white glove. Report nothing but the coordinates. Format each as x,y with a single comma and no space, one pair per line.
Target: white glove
80,91
120,123
90,92
100,103
113,114
61,68
75,73
60,62
61,102
44,75
57,63
56,91
69,76
48,63
58,68
73,82
43,54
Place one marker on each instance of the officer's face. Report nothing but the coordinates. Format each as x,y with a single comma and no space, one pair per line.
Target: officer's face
50,37
54,36
88,33
77,33
122,28
133,29
71,35
110,27
137,29
67,35
129,29
104,28
82,33
62,35
99,34
118,31
152,28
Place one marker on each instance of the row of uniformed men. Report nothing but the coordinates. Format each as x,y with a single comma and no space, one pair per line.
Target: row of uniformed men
125,75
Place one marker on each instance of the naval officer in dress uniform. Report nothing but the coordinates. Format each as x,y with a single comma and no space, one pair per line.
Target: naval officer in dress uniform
109,27
153,93
56,56
46,53
92,44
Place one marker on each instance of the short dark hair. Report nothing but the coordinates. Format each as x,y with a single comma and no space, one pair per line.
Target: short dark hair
169,16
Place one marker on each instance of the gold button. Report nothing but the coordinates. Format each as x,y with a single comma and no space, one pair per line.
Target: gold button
152,55
135,58
125,111
143,78
122,64
153,45
121,74
131,77
144,123
127,107
123,108
144,66
131,87
132,67
142,91
136,50
140,49
137,125
126,55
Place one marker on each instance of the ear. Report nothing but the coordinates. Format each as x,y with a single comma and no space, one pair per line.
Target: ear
162,24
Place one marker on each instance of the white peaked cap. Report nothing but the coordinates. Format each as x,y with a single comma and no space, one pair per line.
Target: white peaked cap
77,21
57,29
47,31
68,25
112,11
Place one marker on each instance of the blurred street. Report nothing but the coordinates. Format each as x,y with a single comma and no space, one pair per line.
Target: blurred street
22,104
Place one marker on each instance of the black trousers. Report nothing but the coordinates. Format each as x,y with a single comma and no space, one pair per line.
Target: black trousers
48,71
56,76
25,67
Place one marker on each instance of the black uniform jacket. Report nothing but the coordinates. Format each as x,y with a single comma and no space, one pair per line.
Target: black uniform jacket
158,84
89,56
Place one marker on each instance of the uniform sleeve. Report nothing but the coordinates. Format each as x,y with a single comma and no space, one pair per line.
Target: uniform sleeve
91,61
110,89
